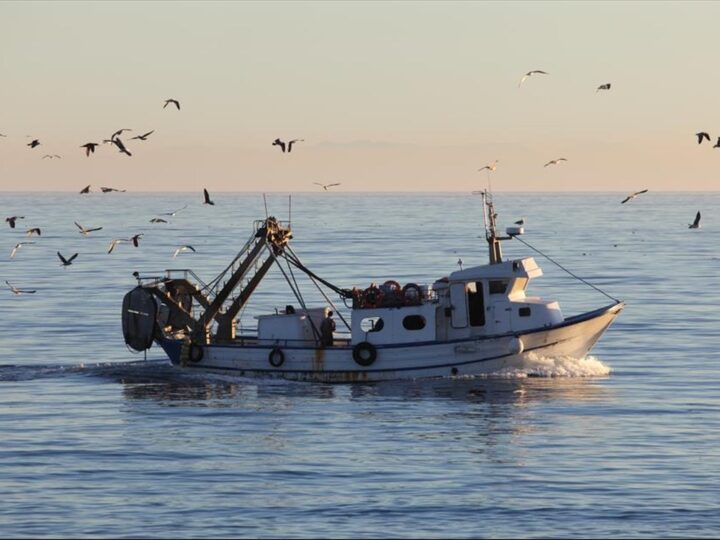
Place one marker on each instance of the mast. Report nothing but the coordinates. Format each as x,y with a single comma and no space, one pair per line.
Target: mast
494,250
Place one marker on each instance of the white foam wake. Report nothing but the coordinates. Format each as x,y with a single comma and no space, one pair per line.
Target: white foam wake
564,366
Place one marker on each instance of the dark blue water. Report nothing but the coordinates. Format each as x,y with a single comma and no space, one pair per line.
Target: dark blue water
96,441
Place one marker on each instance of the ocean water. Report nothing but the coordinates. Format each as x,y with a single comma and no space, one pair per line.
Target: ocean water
98,442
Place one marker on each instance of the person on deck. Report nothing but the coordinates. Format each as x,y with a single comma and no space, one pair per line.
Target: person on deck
326,330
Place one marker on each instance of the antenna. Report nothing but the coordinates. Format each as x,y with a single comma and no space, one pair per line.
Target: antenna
290,209
265,202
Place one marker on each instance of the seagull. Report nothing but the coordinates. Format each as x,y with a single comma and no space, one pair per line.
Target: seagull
89,148
117,142
173,101
118,133
554,161
520,222
18,246
157,220
66,262
702,135
34,143
84,230
51,156
207,197
605,86
136,239
695,224
144,136
326,186
17,291
85,190
109,189
115,242
529,73
174,211
490,167
34,230
11,220
3,135
278,142
717,144
633,195
180,249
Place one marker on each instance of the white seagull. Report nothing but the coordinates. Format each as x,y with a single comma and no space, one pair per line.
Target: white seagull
180,249
490,167
85,231
18,246
529,73
632,196
326,186
115,242
555,161
17,291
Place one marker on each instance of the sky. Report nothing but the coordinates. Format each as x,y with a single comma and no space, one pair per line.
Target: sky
387,96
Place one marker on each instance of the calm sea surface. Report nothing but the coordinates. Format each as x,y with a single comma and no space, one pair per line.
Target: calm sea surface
96,441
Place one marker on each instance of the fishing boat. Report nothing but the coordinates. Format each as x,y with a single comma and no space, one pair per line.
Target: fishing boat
472,322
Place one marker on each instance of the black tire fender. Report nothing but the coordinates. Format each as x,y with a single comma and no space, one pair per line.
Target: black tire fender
276,357
364,353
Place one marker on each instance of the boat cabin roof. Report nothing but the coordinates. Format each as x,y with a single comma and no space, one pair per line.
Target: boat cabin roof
518,268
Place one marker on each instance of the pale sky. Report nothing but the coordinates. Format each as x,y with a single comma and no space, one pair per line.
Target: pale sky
405,96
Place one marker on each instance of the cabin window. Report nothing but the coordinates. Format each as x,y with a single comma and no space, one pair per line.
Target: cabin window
497,286
476,304
414,322
372,324
524,312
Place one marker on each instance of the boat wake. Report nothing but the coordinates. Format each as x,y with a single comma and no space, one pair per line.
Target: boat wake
565,366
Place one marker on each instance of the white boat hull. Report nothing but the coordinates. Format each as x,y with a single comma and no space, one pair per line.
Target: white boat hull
574,337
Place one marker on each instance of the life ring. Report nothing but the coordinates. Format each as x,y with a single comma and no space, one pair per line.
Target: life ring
372,297
195,353
364,353
276,357
411,293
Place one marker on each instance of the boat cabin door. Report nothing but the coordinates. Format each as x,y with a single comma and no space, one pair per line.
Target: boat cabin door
458,303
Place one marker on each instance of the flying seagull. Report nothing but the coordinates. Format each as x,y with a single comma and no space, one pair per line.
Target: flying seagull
115,242
34,230
136,239
157,220
11,220
173,212
717,144
633,195
144,136
51,156
34,143
64,261
702,135
605,86
84,230
173,101
18,246
326,186
119,132
278,142
290,143
89,148
520,222
15,290
117,142
109,189
180,249
85,190
530,73
554,161
695,224
207,197
490,167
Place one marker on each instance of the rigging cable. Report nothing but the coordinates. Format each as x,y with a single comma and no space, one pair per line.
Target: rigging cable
565,269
